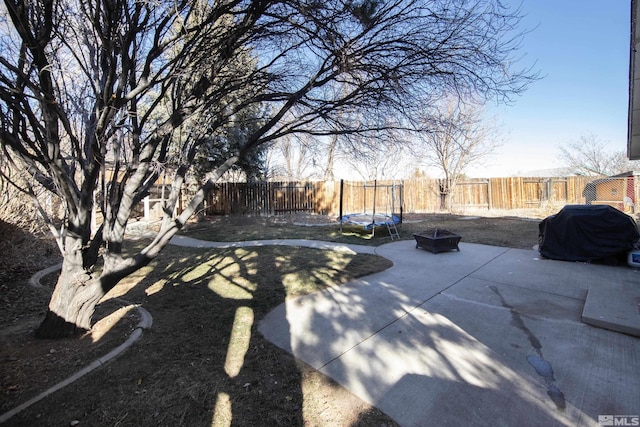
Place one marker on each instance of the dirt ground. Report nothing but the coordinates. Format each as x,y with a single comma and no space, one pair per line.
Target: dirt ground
273,389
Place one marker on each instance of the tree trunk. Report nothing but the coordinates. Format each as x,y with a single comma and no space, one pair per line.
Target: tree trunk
444,193
72,304
443,201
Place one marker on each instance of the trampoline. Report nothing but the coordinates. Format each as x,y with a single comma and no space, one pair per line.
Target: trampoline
369,221
376,216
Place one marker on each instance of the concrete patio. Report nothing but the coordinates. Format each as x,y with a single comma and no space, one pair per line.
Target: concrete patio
485,336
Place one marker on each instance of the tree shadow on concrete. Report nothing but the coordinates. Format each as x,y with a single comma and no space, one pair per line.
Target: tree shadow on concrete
415,361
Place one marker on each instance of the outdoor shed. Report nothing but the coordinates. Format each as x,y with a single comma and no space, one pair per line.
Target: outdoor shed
619,191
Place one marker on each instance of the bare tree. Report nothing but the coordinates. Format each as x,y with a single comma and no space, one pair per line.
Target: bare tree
455,136
374,157
331,157
294,157
99,97
590,155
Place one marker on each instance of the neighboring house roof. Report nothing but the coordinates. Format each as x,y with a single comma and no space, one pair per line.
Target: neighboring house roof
626,174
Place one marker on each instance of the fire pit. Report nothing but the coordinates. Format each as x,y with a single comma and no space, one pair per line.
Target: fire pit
436,240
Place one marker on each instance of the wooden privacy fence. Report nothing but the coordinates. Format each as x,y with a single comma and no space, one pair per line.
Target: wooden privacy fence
424,195
264,198
419,195
519,193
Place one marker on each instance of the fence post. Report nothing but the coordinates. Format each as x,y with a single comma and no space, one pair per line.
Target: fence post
341,194
146,208
636,190
489,193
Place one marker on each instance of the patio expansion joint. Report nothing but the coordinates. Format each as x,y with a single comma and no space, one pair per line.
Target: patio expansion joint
412,309
524,315
541,291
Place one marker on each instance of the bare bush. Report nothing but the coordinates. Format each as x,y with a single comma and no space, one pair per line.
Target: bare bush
25,243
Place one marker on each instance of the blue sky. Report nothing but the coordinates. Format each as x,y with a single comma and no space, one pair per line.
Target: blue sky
581,48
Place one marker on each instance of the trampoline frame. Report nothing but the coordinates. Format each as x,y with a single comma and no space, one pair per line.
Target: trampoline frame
372,220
